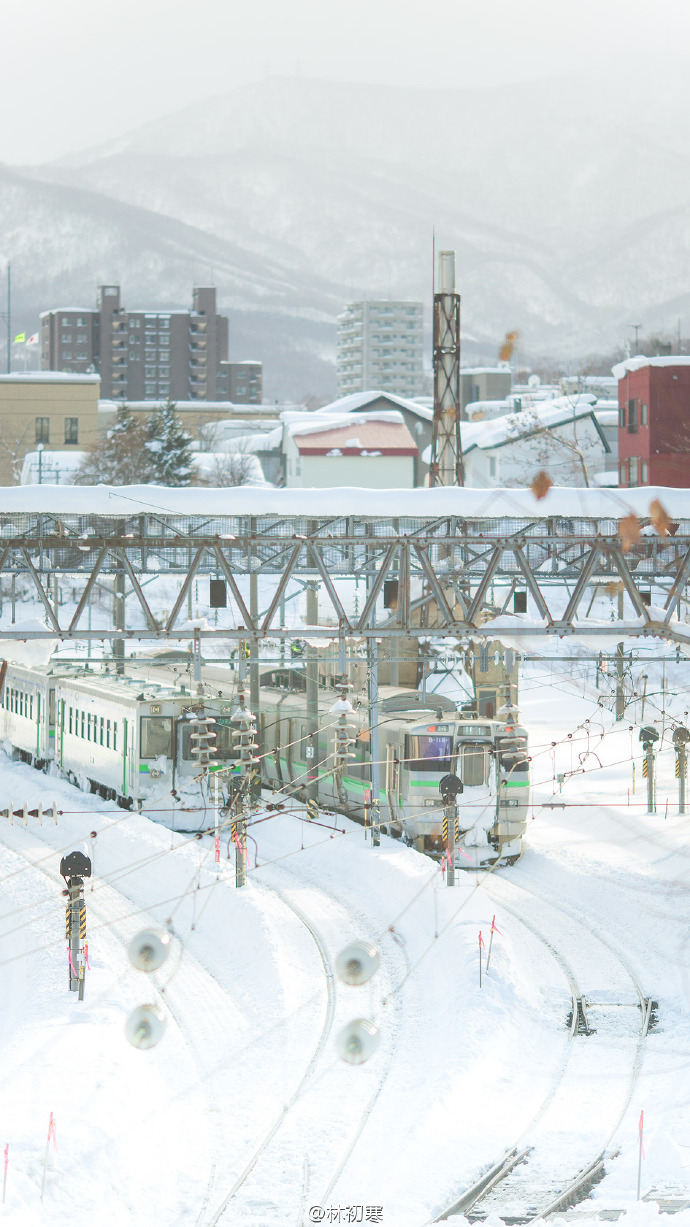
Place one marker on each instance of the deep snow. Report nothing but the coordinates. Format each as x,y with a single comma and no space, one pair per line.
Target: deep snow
460,1073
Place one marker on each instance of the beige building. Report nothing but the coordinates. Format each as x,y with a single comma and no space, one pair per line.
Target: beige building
374,451
50,408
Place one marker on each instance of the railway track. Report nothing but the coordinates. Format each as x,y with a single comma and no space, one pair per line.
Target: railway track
556,1160
310,1069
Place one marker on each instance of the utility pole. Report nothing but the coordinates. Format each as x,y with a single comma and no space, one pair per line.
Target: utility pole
9,323
620,666
446,441
244,737
119,617
374,741
312,668
637,336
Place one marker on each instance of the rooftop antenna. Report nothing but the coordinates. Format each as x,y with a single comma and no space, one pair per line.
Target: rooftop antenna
446,443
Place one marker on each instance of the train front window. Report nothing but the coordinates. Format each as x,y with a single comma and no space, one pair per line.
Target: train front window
473,761
428,752
156,736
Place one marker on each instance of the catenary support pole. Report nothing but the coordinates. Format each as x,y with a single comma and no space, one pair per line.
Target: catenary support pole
620,661
374,742
312,668
119,618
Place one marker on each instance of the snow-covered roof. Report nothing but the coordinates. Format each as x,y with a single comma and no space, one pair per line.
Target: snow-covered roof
194,406
485,370
466,503
316,423
368,434
52,464
48,377
211,464
621,369
495,432
606,417
359,400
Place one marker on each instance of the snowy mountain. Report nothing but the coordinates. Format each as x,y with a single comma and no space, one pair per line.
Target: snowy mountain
566,199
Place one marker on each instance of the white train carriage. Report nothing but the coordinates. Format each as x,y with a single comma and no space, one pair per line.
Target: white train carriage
133,742
421,740
27,714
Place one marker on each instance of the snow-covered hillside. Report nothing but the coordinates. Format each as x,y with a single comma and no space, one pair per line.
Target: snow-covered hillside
565,198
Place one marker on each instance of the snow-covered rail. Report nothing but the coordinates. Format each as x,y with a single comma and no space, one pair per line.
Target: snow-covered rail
551,1166
311,1067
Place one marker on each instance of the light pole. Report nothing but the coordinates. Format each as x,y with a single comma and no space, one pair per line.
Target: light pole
39,449
637,336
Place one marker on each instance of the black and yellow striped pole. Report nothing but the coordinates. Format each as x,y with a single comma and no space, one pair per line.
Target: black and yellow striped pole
681,736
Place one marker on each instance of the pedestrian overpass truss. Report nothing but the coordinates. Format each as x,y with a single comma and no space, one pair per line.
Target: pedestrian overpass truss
453,575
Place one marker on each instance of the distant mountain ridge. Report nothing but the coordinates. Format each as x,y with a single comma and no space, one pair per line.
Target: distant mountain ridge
567,200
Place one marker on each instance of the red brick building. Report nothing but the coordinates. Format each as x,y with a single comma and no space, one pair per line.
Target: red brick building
654,421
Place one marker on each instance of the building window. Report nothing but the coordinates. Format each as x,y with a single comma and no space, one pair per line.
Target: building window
643,415
163,372
623,473
81,321
150,389
71,430
621,416
644,473
633,471
150,372
43,430
632,417
67,353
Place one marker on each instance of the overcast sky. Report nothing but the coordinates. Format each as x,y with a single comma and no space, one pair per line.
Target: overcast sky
75,73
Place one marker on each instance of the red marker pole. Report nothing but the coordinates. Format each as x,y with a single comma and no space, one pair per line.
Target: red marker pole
481,946
491,940
4,1179
52,1135
640,1155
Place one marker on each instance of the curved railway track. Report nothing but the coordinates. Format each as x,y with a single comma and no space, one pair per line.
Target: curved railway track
555,1161
310,1069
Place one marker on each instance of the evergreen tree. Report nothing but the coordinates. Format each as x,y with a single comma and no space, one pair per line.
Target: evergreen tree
120,458
169,448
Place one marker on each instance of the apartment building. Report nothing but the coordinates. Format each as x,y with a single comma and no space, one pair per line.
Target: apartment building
44,409
653,421
146,355
380,347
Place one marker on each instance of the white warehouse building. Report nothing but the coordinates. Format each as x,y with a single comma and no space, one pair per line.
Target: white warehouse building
381,345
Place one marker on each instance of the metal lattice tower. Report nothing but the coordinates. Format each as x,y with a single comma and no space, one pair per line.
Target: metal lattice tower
446,442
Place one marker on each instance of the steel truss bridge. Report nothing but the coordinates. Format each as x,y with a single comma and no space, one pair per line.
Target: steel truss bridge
447,569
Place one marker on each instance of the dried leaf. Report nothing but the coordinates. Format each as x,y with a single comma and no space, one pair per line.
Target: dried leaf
614,588
660,519
629,531
541,485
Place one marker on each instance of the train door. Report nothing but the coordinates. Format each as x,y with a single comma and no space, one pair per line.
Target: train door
50,745
393,757
285,749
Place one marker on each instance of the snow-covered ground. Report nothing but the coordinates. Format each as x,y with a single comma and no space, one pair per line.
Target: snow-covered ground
244,1113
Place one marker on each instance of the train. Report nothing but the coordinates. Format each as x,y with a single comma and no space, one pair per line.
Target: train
130,738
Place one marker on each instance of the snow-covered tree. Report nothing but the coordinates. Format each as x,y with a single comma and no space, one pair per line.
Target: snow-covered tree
120,458
168,446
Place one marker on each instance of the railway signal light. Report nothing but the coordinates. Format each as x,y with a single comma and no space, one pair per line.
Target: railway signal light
145,1026
74,868
357,1041
357,963
149,949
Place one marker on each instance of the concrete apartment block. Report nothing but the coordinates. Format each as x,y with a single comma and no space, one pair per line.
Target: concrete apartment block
380,347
